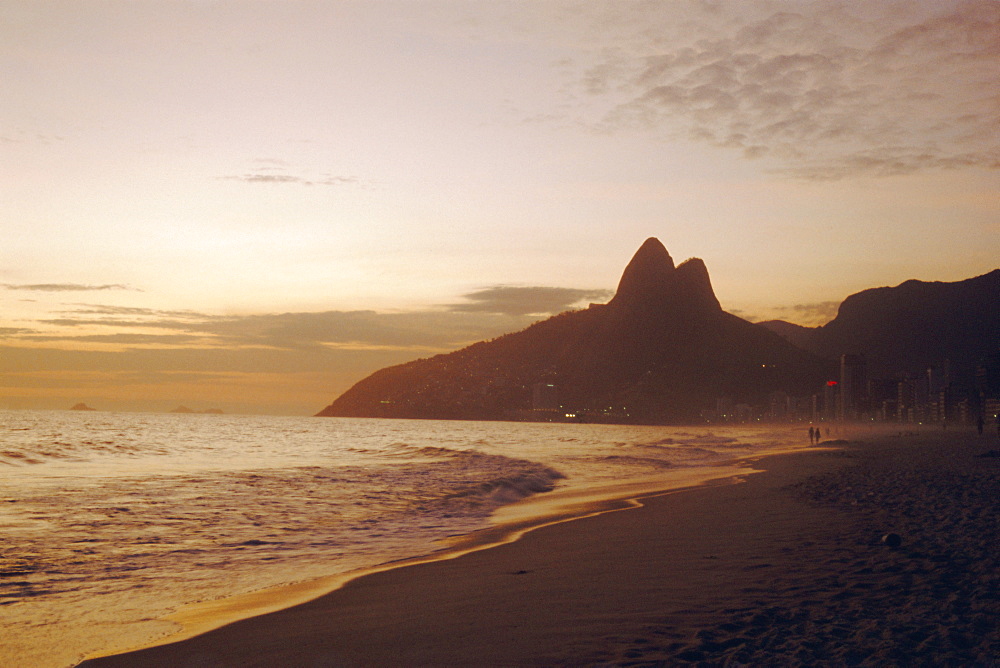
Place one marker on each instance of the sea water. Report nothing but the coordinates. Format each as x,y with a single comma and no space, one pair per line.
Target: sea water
110,521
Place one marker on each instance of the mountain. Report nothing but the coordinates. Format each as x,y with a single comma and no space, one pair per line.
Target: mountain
911,327
662,350
797,335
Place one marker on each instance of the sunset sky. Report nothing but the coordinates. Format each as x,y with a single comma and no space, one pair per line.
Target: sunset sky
251,205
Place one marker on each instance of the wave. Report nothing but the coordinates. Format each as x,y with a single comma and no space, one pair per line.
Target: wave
410,451
35,453
632,460
510,488
662,443
713,440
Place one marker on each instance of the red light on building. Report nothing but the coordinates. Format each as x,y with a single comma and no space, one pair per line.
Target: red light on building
831,383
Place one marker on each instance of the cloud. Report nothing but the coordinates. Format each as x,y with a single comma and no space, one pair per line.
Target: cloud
121,339
825,90
286,178
104,309
806,315
291,362
65,287
524,301
25,137
818,313
430,331
332,350
268,178
277,174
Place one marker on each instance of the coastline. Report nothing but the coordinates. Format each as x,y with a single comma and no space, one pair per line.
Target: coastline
509,524
787,564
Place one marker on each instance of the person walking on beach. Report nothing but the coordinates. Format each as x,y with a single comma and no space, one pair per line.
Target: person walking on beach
812,435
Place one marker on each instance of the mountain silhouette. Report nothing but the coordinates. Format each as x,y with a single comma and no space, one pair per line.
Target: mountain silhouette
908,328
662,350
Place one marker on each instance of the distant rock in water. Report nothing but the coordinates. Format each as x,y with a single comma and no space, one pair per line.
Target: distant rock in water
82,407
662,350
207,411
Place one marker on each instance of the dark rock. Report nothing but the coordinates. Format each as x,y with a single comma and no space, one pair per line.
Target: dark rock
892,540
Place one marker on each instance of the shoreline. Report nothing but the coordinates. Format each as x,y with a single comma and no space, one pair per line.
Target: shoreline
787,564
509,524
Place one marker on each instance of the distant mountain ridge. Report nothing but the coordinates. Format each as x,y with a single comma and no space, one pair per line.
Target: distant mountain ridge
910,327
661,350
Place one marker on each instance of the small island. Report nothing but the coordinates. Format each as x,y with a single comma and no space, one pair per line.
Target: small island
82,407
207,411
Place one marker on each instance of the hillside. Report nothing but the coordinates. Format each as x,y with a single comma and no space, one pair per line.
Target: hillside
661,350
911,327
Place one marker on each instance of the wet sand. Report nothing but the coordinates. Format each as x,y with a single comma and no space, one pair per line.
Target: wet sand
785,568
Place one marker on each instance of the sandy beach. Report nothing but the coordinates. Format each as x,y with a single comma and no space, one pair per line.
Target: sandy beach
785,568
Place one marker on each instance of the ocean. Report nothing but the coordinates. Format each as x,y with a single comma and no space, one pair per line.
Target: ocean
111,521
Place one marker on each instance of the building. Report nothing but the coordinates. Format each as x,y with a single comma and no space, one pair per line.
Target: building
830,400
853,399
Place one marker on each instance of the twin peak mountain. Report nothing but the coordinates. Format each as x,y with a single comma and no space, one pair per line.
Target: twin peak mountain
661,350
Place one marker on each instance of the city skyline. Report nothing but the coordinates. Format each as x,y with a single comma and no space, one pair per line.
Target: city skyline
253,205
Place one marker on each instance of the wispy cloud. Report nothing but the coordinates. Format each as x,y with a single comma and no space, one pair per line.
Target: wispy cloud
301,360
117,339
823,92
66,287
527,300
429,331
288,178
278,172
810,315
24,137
138,311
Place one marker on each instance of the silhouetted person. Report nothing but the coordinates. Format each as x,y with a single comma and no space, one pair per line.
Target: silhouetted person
812,435
979,425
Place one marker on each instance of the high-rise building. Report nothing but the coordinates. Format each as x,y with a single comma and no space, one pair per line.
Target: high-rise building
906,399
853,387
830,400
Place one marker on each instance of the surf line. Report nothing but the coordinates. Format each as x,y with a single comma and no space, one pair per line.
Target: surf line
511,522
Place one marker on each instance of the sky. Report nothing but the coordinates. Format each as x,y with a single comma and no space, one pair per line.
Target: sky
251,205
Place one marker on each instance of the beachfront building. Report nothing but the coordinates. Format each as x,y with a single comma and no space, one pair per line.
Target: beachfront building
852,398
988,386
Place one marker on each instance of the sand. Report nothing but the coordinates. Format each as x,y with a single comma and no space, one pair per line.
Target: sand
785,568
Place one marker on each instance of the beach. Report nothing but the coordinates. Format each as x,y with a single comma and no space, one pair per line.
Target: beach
132,529
787,566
